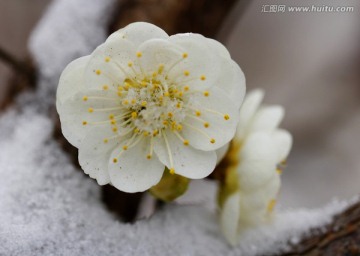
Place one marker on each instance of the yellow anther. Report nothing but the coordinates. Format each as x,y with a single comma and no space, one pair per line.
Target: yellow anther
172,171
186,88
148,157
178,105
166,94
206,93
105,141
84,123
91,110
114,129
119,94
107,59
115,160
185,55
155,132
130,64
134,115
138,54
165,122
111,116
120,88
197,113
146,133
144,83
279,171
186,142
85,98
170,114
202,78
125,147
112,121
186,73
105,87
154,74
143,103
271,205
206,125
180,94
136,130
212,141
179,127
98,71
133,101
161,68
125,102
127,85
226,117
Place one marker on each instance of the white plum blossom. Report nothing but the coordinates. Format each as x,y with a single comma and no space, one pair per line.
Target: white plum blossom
143,101
252,179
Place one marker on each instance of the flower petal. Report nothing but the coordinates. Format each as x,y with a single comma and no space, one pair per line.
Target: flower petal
187,161
201,62
139,32
247,111
257,206
231,80
159,51
258,161
94,153
217,47
267,118
221,115
229,218
283,142
133,172
71,80
78,115
221,152
108,64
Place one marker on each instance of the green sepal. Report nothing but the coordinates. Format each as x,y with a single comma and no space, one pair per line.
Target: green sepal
170,187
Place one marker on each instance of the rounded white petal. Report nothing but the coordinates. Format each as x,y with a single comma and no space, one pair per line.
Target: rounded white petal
231,80
75,111
108,64
213,110
159,51
94,153
256,206
187,161
229,218
221,152
71,80
267,118
201,61
133,172
139,32
217,47
283,142
258,161
247,111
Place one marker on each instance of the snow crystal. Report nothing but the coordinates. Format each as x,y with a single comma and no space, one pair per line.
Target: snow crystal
69,29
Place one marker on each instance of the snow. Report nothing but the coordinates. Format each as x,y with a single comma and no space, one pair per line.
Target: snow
49,207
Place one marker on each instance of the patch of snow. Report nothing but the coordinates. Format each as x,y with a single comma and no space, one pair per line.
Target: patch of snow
69,29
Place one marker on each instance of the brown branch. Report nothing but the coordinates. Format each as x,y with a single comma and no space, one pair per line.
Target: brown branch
341,237
20,67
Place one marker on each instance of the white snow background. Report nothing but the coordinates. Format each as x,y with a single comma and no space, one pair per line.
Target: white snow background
49,208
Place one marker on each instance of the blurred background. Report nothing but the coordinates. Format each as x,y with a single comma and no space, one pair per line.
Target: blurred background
309,62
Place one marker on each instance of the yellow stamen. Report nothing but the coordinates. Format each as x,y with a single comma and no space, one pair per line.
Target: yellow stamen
198,113
185,55
279,171
114,129
206,93
111,116
203,78
91,110
115,160
125,102
172,171
106,141
186,88
134,115
98,71
271,205
105,87
143,103
212,141
85,98
206,125
130,64
125,147
226,117
186,73
138,54
107,59
186,142
84,123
